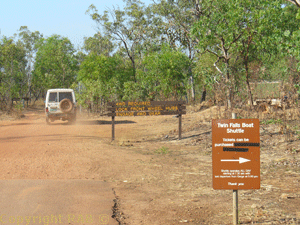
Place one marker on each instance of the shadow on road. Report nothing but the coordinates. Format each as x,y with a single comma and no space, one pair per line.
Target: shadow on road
104,122
47,138
196,135
16,124
66,123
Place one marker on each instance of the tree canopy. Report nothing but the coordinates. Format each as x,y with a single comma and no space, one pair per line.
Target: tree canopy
169,49
55,64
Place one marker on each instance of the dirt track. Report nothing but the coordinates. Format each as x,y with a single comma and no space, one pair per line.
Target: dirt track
156,179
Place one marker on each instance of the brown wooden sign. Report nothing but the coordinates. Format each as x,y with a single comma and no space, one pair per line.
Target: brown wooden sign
144,113
145,103
146,108
236,154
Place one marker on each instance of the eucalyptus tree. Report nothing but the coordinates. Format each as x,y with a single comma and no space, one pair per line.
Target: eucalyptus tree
28,40
12,70
102,77
126,27
55,65
102,70
166,73
238,32
178,19
98,44
291,44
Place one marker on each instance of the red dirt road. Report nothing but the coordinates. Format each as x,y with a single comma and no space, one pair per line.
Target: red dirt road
56,202
153,177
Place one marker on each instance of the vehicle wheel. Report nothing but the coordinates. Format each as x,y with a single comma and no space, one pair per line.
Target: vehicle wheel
66,105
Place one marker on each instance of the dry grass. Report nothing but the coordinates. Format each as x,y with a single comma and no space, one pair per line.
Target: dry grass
12,115
220,112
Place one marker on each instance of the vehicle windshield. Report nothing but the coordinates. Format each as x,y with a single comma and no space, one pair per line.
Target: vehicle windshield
63,95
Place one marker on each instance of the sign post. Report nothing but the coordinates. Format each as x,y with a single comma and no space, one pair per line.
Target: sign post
180,109
235,198
236,156
235,207
112,128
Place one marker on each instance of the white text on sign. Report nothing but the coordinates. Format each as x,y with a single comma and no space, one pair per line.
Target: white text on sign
235,127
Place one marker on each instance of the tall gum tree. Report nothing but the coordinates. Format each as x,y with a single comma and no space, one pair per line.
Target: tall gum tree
126,27
98,45
28,40
166,74
178,19
55,66
12,71
238,31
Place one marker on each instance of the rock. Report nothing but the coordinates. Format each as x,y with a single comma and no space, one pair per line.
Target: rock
259,213
253,206
284,196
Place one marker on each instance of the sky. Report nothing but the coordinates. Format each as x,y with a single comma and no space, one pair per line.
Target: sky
63,17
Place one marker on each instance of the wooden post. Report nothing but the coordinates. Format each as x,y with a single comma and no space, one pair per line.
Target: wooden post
234,116
235,208
113,128
179,121
113,121
179,126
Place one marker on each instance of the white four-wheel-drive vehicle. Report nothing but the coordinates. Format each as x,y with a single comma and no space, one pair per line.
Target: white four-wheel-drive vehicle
60,104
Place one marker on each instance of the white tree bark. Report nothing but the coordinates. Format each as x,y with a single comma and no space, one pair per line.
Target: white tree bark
295,2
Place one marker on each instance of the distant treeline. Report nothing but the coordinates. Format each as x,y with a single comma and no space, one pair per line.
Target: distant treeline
168,50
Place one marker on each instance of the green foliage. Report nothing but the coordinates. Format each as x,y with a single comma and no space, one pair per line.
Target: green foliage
297,87
163,150
29,39
175,19
102,77
266,89
272,121
136,91
13,77
205,73
165,73
98,45
55,64
240,32
291,40
127,28
96,67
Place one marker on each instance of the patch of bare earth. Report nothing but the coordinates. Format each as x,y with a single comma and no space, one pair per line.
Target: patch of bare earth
156,178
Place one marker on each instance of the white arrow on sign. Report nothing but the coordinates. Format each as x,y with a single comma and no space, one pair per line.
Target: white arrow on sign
240,160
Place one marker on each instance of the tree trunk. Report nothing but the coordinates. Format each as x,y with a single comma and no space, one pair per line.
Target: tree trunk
249,88
192,88
131,57
228,87
203,97
295,2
